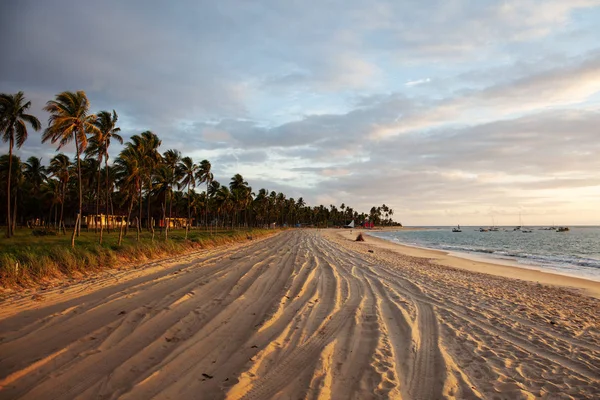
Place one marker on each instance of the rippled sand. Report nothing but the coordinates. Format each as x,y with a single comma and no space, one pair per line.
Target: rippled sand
303,314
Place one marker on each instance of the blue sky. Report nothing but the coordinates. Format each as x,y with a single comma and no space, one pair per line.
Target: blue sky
449,111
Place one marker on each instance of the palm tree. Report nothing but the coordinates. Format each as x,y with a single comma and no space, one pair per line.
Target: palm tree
60,167
162,179
240,191
70,120
130,181
223,201
148,144
188,171
13,124
205,174
143,152
18,178
35,173
99,144
89,182
171,159
280,204
52,189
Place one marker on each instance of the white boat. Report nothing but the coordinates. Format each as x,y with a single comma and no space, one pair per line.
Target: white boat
493,228
521,227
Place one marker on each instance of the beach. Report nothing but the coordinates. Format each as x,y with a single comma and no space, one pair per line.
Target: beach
308,314
473,263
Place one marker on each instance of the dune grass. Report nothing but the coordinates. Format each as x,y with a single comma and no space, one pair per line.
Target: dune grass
27,260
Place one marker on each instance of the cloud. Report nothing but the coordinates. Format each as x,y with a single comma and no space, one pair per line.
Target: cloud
437,107
558,87
417,82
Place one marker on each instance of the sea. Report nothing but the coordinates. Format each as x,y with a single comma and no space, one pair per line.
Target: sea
573,253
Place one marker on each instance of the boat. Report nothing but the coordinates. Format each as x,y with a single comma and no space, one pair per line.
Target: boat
493,228
563,229
521,227
457,229
483,230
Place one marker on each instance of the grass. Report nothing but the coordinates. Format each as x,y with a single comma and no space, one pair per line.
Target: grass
27,260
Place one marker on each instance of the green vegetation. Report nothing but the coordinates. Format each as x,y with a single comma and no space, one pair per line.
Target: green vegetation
142,191
26,259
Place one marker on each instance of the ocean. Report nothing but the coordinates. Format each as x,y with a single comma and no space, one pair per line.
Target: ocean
574,253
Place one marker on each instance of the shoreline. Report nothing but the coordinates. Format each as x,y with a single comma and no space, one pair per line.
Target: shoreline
502,261
448,259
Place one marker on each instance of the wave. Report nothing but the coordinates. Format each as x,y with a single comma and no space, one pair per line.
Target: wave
567,262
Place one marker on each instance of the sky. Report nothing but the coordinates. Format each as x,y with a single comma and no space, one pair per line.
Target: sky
449,111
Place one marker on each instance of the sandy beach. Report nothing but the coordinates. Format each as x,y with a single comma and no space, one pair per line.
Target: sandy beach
468,262
305,314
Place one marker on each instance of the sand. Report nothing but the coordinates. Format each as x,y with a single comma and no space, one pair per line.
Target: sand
585,286
304,314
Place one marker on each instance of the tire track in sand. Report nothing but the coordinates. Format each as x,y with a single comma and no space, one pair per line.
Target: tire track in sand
423,383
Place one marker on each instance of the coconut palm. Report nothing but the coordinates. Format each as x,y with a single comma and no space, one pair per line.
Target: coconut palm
36,175
98,146
142,151
162,180
69,121
130,181
17,177
280,204
89,182
223,201
60,167
52,189
240,193
187,171
205,175
13,126
171,159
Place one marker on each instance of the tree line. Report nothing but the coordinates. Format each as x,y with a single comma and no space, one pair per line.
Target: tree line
142,185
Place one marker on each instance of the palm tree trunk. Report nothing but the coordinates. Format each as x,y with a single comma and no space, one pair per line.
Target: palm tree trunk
164,212
112,212
98,201
102,228
150,225
121,234
137,223
8,224
206,209
108,196
167,225
171,204
14,218
74,231
78,220
62,207
140,210
129,215
187,223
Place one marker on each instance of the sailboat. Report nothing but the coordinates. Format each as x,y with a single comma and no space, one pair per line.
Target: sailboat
493,228
523,229
457,229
